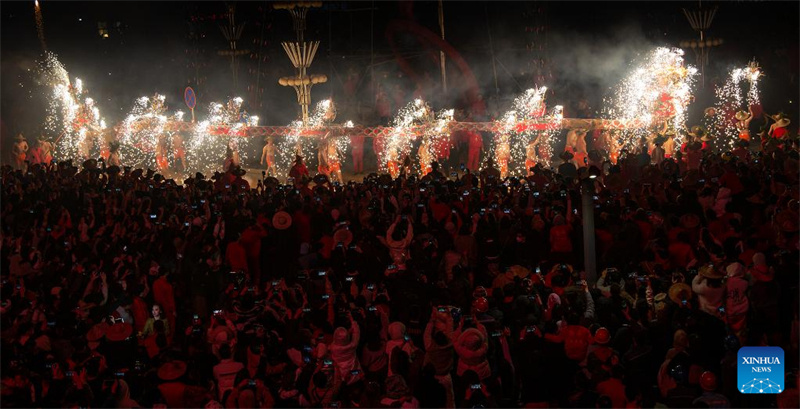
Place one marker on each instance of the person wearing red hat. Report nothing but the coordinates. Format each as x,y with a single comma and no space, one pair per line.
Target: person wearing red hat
601,356
708,381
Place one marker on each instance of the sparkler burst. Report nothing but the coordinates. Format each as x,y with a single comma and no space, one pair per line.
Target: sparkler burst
732,98
656,92
298,142
79,125
143,130
401,140
510,148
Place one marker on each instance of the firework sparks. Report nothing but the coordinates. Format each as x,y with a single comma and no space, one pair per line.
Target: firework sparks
78,124
511,143
400,142
39,24
656,92
142,130
732,98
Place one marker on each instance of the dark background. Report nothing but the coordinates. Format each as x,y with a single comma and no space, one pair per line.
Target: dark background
578,49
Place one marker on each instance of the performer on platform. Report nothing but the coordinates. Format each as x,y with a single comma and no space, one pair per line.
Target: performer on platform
35,153
503,154
406,169
658,152
322,157
357,152
299,171
778,129
20,151
47,150
581,153
113,155
268,157
475,148
743,123
179,149
334,162
530,155
161,153
425,157
231,156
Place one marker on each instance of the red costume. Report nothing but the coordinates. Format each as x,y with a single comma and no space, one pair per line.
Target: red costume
298,171
475,146
357,146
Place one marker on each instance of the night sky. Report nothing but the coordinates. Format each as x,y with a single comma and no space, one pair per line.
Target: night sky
586,47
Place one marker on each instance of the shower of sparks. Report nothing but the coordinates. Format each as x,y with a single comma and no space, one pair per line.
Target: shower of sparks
731,98
296,142
658,90
510,144
39,24
141,130
73,120
434,135
206,150
400,142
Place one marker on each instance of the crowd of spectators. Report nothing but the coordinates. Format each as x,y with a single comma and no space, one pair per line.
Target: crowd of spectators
121,288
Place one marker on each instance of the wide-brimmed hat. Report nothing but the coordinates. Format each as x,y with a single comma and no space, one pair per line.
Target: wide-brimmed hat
697,131
281,220
602,336
708,271
690,221
741,115
171,370
19,138
344,236
320,179
119,332
96,334
783,122
396,387
679,292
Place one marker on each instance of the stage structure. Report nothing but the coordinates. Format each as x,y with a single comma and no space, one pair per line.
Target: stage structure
301,54
385,131
700,20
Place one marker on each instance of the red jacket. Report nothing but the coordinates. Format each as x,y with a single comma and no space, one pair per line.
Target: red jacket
236,256
560,242
164,296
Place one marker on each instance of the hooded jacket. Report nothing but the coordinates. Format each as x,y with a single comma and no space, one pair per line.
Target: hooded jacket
471,348
343,350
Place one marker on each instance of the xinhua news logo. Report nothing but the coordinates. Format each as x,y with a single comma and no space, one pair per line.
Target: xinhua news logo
760,370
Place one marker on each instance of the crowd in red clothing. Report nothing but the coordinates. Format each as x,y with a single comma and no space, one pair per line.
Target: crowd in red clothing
123,289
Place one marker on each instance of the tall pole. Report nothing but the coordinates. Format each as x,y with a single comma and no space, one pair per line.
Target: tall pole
589,262
372,49
441,53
